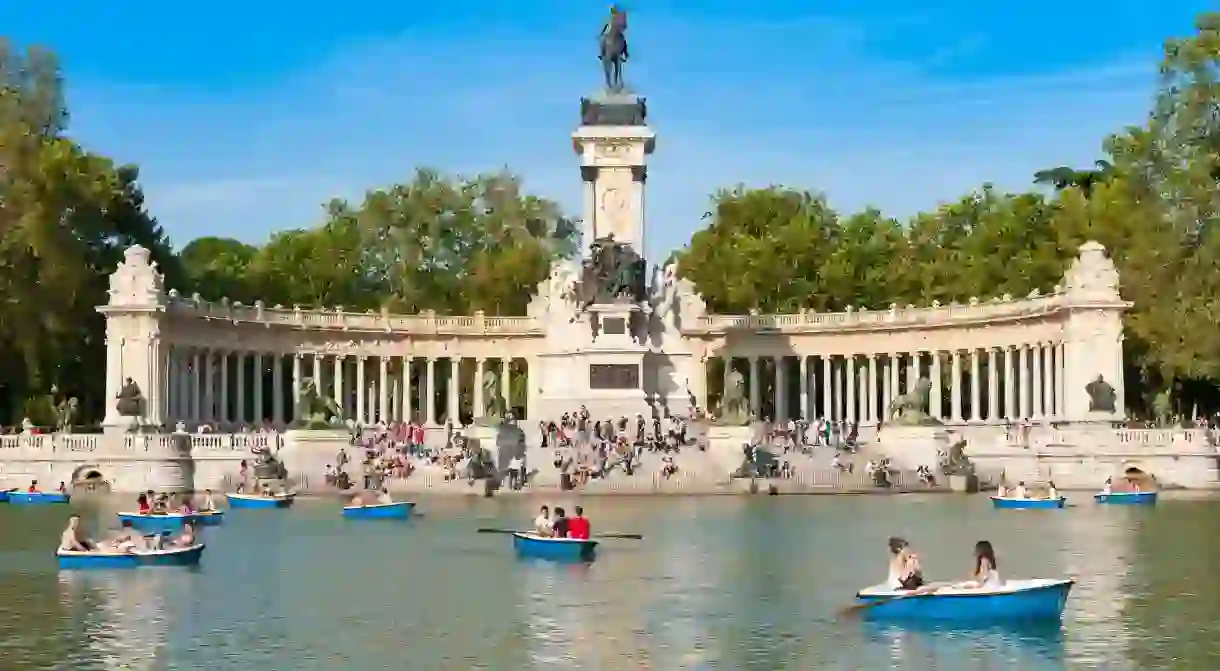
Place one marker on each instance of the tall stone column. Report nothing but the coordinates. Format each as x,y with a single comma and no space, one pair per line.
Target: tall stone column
1023,380
1060,376
956,390
430,394
479,402
136,307
239,369
383,389
1035,351
888,389
872,389
407,401
336,384
196,383
506,380
362,390
209,387
1092,332
851,388
223,413
827,396
804,373
781,413
837,387
975,386
993,387
260,383
895,377
1048,379
912,370
698,382
455,375
755,387
938,388
297,379
277,389
1011,412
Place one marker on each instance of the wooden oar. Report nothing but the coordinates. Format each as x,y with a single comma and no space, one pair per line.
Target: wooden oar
630,537
860,607
501,531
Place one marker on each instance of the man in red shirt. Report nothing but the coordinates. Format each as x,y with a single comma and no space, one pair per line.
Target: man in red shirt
578,526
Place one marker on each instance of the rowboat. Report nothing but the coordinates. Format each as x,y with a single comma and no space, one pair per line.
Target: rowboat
559,549
399,510
1021,600
21,498
187,556
157,521
209,518
1127,498
1011,502
4,495
259,501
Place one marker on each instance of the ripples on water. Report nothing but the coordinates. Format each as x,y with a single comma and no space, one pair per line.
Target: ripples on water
719,583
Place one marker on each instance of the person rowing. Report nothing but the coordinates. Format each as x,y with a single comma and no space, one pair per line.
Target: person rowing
542,523
578,527
561,525
905,570
209,504
1021,492
124,540
73,538
187,537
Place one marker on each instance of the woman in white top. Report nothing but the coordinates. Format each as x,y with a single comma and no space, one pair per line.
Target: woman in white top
1108,488
1051,492
905,572
986,572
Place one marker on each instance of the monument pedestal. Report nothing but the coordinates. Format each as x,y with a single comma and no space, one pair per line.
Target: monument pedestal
909,447
724,446
604,373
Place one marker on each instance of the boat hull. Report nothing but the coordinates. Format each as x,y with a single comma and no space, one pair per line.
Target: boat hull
555,549
210,518
251,501
188,556
4,496
1018,600
1126,498
399,510
37,498
157,523
1018,504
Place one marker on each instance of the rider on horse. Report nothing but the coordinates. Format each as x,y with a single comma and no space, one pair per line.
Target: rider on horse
616,27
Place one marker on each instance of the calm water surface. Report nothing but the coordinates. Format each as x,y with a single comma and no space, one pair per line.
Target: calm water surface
718,583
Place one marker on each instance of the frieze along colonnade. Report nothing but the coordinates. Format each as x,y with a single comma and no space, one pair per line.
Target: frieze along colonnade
989,361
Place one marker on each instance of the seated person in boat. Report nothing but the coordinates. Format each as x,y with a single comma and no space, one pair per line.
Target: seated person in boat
561,525
1001,491
384,497
125,540
160,502
1021,492
578,527
62,489
542,523
73,538
1108,488
187,537
33,487
209,504
986,573
144,507
187,508
1051,491
905,571
241,488
357,500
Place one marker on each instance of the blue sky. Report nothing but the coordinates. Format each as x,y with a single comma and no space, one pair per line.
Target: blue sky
246,116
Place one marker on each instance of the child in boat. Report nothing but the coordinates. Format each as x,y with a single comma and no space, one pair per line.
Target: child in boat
986,570
905,571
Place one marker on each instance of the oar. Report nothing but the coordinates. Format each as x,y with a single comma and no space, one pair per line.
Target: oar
630,537
860,607
501,531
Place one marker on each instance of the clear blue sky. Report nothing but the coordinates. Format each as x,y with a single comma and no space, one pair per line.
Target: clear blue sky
246,116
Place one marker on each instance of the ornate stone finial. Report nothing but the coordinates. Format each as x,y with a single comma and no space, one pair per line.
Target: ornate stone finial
1092,275
136,281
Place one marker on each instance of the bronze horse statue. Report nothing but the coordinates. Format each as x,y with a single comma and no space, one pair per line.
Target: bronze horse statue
614,48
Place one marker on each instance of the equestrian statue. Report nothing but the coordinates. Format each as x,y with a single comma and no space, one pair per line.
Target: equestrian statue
613,43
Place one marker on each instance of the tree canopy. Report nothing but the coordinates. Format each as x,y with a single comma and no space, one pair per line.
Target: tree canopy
456,244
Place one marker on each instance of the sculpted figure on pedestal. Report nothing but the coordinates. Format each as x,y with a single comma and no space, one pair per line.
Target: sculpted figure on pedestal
910,409
1101,395
493,402
129,401
315,411
734,406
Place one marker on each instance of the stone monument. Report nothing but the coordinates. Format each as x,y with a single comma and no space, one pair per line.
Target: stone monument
911,437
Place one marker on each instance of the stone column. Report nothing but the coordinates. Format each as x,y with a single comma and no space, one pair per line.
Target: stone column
826,394
887,383
804,366
260,408
975,386
993,387
851,389
955,391
1035,352
1048,380
209,388
1060,381
479,402
407,401
781,413
336,384
362,392
318,384
755,391
935,405
912,370
506,380
724,383
383,388
430,398
698,384
277,389
1010,388
239,369
1023,381
895,377
451,405
223,415
871,406
836,386
297,378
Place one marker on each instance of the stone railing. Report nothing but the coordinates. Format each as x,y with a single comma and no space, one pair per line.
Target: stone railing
1003,308
339,320
1120,440
202,444
53,442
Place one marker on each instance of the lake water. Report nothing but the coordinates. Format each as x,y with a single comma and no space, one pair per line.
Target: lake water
718,583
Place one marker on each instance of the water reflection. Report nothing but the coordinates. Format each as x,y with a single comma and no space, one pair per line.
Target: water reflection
1096,548
124,615
1019,646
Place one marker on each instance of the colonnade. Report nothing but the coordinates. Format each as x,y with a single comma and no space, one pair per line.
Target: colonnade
983,385
243,387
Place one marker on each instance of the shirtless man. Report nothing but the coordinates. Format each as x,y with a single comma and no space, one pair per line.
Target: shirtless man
73,538
187,538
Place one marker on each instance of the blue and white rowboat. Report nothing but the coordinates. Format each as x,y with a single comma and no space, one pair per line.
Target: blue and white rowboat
399,510
187,556
1127,498
1017,600
4,495
157,521
1011,502
23,498
558,549
259,501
